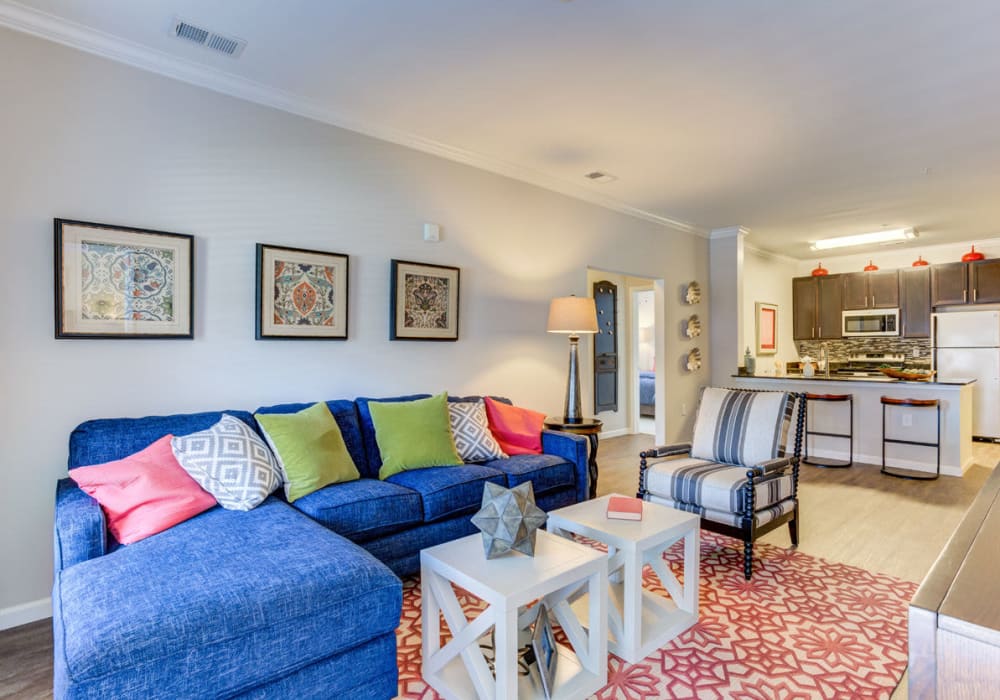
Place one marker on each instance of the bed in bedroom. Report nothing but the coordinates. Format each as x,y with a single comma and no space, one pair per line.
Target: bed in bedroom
647,394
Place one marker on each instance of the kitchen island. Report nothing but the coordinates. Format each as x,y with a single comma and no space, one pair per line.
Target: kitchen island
904,423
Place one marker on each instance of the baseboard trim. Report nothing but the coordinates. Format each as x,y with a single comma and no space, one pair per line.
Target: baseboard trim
876,460
615,433
18,615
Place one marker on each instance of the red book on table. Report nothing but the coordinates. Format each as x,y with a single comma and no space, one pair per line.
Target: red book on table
624,508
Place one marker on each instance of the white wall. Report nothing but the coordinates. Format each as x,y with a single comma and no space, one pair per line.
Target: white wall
768,278
85,138
725,294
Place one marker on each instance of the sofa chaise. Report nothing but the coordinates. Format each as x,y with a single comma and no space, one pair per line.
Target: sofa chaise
284,600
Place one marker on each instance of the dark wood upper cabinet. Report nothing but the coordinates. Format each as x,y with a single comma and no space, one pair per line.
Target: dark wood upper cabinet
984,281
883,286
950,284
871,290
829,305
855,290
915,302
804,312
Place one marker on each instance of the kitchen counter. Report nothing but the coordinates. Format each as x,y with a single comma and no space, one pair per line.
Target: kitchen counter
903,423
877,379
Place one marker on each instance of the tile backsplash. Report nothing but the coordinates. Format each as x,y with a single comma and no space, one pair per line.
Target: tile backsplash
840,350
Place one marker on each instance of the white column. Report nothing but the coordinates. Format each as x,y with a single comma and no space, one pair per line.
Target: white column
727,339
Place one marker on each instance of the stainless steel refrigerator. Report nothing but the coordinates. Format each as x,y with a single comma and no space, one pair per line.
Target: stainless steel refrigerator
966,345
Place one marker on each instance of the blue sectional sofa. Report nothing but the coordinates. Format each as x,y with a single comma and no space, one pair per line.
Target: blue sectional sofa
285,600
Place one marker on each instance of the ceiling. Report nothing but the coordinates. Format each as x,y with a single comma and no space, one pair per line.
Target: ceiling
797,120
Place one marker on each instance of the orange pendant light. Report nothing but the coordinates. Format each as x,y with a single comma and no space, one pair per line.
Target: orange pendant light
870,267
920,262
820,271
972,256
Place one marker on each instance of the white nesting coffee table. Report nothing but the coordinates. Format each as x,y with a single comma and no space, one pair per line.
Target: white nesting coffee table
558,571
639,620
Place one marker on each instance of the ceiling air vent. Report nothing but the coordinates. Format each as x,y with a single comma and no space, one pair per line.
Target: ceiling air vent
228,45
598,176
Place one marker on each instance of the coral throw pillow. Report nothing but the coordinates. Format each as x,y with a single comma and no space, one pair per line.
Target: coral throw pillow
145,493
518,430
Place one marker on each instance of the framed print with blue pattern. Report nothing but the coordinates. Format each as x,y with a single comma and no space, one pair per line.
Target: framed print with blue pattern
423,301
122,282
301,294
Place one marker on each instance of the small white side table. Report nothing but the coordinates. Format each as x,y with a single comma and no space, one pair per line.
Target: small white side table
559,569
639,620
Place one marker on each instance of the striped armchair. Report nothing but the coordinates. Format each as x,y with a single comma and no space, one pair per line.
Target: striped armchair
735,472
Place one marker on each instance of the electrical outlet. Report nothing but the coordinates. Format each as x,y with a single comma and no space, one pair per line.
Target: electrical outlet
907,420
916,352
684,409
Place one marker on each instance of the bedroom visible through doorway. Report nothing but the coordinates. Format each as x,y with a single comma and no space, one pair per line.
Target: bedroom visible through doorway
644,361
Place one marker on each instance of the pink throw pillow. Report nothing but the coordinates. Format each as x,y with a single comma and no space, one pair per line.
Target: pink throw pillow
144,493
518,430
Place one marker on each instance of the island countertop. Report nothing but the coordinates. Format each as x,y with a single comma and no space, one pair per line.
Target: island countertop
873,379
870,419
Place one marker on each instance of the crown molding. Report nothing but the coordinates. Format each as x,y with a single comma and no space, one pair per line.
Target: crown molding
47,26
729,232
770,254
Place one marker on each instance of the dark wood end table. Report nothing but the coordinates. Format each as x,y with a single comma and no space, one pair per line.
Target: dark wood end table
588,427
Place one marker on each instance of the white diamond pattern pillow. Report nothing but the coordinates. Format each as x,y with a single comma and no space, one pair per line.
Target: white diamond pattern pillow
231,462
471,430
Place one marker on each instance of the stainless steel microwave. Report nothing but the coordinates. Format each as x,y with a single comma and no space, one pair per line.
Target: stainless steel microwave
870,322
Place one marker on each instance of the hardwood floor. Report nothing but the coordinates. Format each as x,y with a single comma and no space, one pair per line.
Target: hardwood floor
855,516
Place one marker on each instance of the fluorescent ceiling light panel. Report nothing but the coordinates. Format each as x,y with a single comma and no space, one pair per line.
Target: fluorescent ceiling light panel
887,236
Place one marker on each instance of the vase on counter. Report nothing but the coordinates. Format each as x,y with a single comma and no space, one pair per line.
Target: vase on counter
808,369
749,362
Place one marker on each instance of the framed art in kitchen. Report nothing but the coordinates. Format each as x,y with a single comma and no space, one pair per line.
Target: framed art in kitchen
301,294
122,282
767,328
423,301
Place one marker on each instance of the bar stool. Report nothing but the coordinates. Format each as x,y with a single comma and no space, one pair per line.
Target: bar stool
912,403
849,435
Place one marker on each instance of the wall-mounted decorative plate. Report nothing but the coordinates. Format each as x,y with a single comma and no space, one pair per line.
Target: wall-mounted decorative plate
693,328
692,295
694,360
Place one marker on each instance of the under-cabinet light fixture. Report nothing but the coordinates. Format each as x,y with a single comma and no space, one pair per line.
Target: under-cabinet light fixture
895,235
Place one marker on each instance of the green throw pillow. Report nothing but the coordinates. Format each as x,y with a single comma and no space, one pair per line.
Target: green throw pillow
310,449
413,434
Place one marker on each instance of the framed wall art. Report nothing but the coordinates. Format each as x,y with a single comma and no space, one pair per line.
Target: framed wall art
767,328
301,294
423,301
122,282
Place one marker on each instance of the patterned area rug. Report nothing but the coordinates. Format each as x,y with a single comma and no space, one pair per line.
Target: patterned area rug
803,628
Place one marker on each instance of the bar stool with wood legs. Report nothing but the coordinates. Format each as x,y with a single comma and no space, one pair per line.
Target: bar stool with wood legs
849,435
912,403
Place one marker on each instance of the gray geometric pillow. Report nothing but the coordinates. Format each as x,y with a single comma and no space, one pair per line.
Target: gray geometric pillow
229,461
471,430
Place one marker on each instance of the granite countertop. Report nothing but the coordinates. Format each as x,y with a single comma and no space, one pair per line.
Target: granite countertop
855,378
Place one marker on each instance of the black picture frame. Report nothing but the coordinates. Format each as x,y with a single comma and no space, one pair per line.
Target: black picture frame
334,283
404,323
545,649
88,254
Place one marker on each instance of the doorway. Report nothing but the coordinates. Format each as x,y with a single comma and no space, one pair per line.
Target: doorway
643,365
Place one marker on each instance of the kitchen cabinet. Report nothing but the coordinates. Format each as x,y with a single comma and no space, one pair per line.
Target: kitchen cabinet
966,283
915,302
816,306
871,290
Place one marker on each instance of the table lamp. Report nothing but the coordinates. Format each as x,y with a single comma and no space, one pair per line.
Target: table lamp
573,315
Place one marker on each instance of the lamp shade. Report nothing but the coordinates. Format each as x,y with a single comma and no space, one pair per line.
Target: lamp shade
573,315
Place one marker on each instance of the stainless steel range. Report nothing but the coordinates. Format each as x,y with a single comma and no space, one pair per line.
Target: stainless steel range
867,364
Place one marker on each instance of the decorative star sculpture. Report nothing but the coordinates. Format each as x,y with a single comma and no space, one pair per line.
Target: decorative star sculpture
509,519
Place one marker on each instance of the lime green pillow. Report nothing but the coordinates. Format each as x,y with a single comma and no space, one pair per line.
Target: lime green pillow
413,434
310,449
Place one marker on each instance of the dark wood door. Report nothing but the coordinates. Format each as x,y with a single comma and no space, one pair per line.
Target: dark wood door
829,305
984,281
855,286
915,302
606,347
883,288
804,308
949,284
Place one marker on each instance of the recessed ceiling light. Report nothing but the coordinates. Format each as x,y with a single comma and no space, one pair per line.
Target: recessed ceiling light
601,177
896,235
